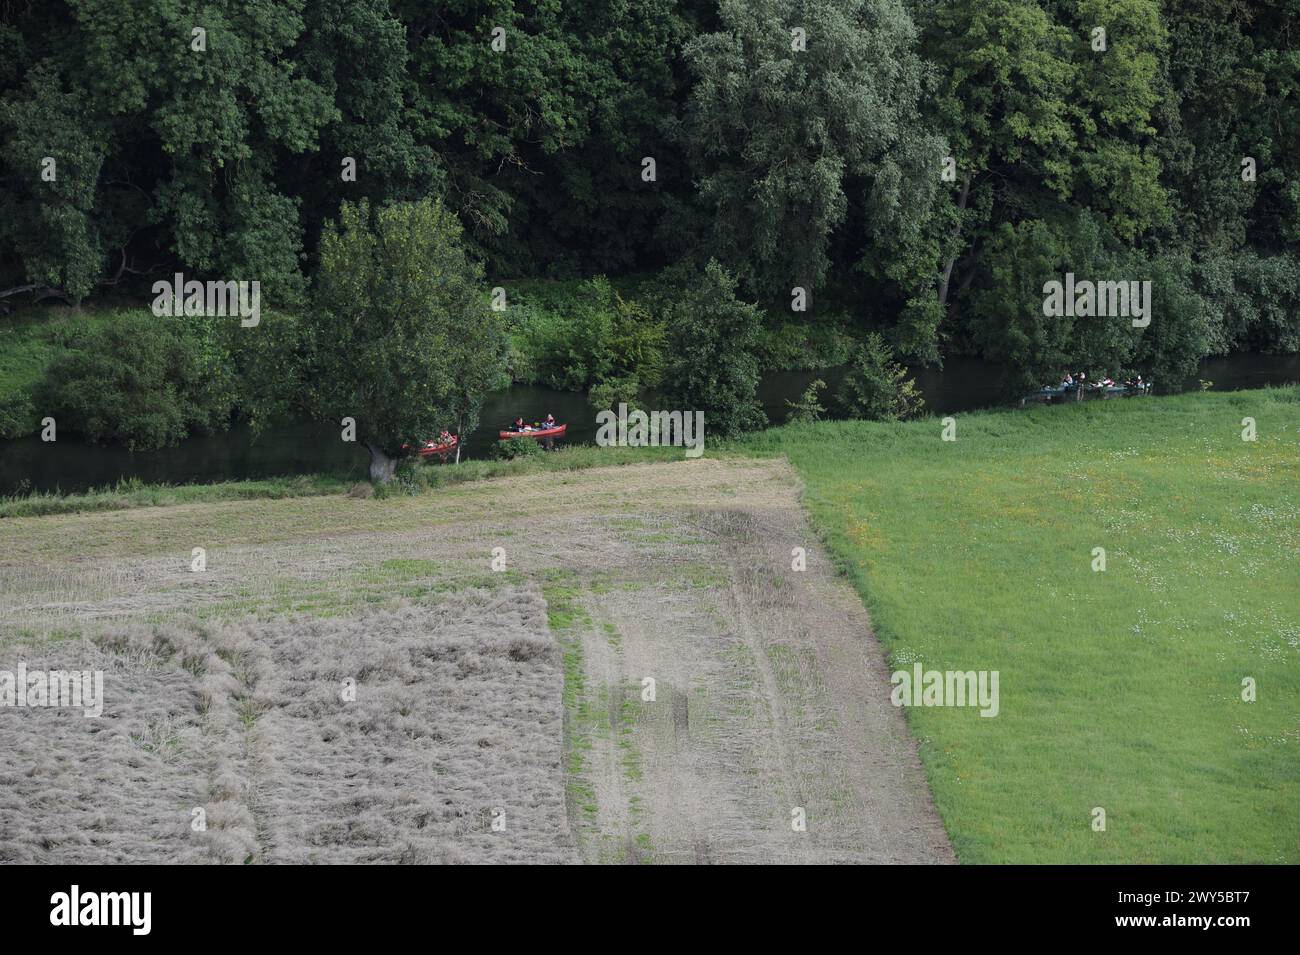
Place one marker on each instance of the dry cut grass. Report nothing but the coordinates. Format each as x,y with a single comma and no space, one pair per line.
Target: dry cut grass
456,721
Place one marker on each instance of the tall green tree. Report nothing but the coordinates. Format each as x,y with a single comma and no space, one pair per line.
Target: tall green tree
1040,117
541,127
402,340
712,363
795,110
1008,322
51,158
169,125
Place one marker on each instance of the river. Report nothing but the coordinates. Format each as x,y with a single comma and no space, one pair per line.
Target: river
299,448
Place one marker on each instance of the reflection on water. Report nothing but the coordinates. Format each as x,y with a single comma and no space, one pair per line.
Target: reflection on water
963,385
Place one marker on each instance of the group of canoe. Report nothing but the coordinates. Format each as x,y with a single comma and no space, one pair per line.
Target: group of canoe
1081,386
446,442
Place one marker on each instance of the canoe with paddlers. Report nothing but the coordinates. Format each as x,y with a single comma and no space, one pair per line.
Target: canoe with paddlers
554,432
443,445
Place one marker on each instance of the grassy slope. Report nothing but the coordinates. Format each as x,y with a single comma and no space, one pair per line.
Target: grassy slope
30,339
429,476
1119,689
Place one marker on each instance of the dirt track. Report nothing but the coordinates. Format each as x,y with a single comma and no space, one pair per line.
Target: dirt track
771,695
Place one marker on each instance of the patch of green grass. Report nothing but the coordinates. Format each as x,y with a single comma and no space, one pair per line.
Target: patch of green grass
132,493
705,575
1119,689
32,338
563,611
591,713
628,716
579,718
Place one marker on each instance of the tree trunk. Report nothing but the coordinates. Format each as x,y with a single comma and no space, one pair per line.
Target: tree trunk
42,292
946,277
381,465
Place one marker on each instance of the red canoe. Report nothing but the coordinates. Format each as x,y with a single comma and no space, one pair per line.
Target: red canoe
433,447
542,433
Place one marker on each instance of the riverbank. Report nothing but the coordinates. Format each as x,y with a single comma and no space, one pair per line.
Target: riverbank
127,495
30,340
542,325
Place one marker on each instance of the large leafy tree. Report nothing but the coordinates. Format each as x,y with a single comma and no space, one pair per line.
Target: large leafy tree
168,142
541,135
402,340
1007,319
1006,315
785,134
218,118
50,164
712,366
1038,118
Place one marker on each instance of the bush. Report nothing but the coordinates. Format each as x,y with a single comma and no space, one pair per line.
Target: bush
877,387
577,340
511,448
714,367
806,408
803,346
17,415
408,479
142,381
610,393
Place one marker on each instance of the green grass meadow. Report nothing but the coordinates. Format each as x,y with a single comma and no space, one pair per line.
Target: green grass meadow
1119,689
32,338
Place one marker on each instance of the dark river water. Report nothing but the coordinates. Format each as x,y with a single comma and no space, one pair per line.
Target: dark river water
69,465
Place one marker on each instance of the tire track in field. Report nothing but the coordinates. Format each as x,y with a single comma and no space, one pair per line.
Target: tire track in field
772,696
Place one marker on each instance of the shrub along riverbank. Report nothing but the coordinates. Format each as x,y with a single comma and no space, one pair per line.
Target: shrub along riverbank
125,376
120,375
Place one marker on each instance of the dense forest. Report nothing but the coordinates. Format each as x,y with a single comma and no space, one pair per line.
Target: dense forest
913,168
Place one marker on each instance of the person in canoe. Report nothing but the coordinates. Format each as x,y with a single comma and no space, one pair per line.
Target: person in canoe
548,421
519,424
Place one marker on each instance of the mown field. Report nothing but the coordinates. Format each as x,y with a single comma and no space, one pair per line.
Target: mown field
1120,689
499,635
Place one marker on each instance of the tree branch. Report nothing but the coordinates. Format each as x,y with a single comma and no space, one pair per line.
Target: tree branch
42,291
946,277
